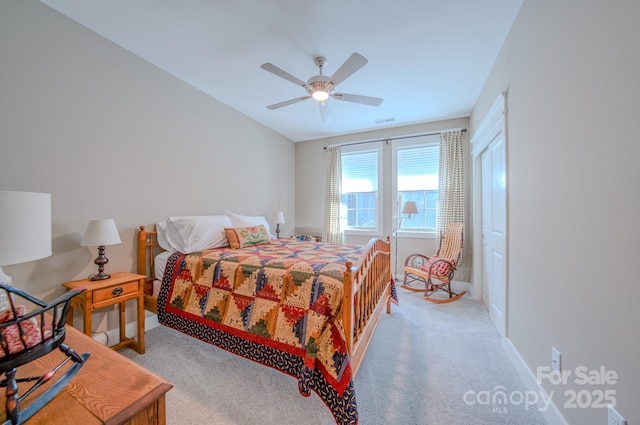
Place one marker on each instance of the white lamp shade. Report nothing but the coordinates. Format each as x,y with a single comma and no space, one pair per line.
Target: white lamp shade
25,227
101,232
278,217
410,208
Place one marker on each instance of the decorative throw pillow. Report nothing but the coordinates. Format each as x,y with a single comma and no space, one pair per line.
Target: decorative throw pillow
441,268
240,237
248,221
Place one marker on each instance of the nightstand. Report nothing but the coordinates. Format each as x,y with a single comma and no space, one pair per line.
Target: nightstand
119,288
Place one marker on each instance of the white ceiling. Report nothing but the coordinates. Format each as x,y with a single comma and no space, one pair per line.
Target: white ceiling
428,59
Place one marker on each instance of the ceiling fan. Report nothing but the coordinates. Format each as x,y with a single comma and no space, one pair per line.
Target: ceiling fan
321,87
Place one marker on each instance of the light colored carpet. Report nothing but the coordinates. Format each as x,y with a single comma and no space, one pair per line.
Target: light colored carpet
423,359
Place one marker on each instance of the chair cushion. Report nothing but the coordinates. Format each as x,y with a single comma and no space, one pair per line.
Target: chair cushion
11,340
440,269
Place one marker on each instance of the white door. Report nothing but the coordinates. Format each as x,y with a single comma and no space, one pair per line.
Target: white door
494,209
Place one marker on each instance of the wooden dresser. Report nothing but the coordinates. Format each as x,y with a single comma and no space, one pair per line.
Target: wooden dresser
108,389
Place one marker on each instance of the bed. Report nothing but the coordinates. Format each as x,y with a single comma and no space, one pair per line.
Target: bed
308,309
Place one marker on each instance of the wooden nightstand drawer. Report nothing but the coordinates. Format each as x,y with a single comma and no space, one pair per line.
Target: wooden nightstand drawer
115,292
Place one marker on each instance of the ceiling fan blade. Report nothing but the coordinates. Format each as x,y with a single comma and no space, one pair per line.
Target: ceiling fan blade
367,100
288,102
351,65
283,74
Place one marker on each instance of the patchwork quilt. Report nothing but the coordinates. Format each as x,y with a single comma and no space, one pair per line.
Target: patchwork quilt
277,304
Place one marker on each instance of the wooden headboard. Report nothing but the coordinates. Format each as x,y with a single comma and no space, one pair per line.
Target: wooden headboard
147,249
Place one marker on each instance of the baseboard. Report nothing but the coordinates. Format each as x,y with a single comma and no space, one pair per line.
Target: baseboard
551,412
150,322
112,336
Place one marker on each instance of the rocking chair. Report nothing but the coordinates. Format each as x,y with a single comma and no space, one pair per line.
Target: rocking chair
25,337
440,267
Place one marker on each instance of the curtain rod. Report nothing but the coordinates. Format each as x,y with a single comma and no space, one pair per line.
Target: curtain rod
388,139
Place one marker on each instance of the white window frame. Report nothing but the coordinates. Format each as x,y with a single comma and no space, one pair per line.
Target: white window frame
377,231
397,210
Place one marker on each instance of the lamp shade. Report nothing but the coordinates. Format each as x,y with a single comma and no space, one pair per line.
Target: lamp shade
25,227
101,232
410,208
279,217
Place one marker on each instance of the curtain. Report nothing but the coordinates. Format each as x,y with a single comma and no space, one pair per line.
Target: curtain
331,229
451,181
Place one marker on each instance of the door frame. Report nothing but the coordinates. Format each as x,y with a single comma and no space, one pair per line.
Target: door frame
493,123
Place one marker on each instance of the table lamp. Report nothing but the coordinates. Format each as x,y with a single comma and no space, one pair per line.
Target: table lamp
100,233
25,231
279,219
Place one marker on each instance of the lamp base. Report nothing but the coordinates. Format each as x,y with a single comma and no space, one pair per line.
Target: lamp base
99,276
100,262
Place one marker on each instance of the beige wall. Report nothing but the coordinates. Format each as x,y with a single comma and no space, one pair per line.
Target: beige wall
111,136
311,178
573,73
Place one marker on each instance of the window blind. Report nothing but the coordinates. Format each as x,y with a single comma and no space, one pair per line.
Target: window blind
418,168
360,172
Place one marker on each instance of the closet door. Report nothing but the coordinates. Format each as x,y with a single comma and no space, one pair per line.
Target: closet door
490,276
494,231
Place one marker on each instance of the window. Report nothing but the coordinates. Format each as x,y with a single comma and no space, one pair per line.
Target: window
361,195
416,166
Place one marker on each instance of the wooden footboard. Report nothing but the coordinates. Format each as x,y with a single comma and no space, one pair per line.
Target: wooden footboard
367,289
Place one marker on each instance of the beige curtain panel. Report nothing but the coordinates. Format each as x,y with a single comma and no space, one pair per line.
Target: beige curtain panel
331,229
451,182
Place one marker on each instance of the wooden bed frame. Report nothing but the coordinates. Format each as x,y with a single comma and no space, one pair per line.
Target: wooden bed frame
367,283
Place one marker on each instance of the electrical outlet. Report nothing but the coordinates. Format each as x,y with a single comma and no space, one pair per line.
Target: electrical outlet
614,418
556,360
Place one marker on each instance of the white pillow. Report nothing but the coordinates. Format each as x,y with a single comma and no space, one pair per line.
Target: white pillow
248,221
161,228
194,233
160,264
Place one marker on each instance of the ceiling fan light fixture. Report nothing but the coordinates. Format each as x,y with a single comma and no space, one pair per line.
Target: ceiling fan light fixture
321,87
320,95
